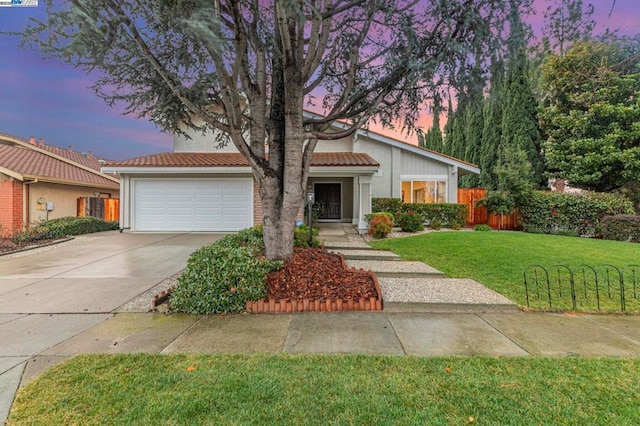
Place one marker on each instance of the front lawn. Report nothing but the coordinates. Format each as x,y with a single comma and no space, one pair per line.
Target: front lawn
354,389
498,259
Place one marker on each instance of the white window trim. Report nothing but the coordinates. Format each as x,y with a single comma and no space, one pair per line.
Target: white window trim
426,178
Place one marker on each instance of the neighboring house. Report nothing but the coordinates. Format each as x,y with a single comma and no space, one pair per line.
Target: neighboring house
40,182
200,188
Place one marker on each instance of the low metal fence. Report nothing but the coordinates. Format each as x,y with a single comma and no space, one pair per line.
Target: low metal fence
583,287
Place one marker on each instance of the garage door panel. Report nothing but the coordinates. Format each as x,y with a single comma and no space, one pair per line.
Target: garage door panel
193,205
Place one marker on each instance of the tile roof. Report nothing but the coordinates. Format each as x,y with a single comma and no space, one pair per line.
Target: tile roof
84,158
213,159
36,164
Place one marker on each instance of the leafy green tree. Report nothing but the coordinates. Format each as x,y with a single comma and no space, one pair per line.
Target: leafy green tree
567,22
247,68
433,138
592,116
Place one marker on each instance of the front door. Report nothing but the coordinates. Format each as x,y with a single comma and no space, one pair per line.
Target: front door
329,194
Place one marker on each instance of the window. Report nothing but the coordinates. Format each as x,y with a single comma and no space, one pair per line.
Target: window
424,191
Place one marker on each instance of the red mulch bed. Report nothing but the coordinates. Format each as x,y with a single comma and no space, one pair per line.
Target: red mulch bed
315,274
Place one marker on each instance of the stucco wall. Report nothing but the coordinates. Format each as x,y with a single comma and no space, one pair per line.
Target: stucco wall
199,142
340,145
64,198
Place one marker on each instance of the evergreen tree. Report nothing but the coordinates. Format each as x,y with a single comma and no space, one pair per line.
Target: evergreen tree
491,132
433,139
519,117
448,128
473,121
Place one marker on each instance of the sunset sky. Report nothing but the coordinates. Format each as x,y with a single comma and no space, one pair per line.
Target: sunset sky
53,101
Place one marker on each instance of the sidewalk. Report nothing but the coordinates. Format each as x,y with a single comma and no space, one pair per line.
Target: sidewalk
455,325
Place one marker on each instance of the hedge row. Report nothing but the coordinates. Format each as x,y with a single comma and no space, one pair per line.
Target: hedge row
570,214
621,228
448,214
63,227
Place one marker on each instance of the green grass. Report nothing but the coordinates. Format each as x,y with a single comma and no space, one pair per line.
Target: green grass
498,259
355,389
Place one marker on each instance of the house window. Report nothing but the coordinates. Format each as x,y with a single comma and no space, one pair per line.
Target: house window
424,191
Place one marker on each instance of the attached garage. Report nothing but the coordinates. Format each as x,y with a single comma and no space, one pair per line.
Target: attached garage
191,205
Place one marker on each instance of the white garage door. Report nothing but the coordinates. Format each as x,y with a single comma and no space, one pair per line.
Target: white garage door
193,204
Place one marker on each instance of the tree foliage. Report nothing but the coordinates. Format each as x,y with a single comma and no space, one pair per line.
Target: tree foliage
592,114
249,67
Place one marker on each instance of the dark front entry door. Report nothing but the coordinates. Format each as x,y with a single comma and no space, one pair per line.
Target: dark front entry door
329,195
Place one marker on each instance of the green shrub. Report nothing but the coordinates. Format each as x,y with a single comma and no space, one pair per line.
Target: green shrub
621,228
409,221
221,277
482,228
570,214
435,224
449,214
390,205
63,227
301,237
380,225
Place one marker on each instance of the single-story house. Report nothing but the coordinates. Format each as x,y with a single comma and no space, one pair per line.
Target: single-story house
198,187
40,182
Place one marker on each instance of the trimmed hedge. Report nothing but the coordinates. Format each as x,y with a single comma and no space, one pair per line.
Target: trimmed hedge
621,228
570,214
63,227
449,214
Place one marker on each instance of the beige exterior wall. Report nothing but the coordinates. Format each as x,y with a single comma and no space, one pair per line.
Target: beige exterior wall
340,145
63,197
200,142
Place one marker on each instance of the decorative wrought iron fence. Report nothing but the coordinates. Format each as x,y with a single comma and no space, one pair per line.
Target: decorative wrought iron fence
583,287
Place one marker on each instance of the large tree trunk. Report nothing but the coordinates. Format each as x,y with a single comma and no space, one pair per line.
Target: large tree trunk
280,210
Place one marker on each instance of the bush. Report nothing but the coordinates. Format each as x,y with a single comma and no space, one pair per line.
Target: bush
482,228
621,228
391,216
435,224
390,205
221,277
449,214
63,227
301,237
380,225
409,222
570,214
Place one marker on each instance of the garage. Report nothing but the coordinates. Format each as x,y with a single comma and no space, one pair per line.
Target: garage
188,205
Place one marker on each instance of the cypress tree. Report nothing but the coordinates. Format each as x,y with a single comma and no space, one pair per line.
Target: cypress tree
519,118
492,131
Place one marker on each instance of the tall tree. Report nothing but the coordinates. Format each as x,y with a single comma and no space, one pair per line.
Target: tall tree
473,120
567,22
246,67
433,138
492,126
519,118
592,116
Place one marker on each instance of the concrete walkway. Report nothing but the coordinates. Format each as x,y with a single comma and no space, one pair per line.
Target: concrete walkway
36,336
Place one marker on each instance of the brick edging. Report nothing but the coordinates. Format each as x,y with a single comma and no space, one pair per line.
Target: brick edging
329,305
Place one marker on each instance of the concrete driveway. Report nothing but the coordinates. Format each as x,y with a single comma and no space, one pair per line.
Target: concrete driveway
50,295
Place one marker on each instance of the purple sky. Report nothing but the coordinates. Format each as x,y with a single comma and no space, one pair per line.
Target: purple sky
50,100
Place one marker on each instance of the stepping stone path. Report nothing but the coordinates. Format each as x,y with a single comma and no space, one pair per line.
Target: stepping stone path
416,287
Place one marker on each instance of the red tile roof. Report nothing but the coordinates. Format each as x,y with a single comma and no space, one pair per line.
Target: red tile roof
228,159
35,164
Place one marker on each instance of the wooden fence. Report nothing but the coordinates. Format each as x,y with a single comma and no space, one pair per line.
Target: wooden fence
103,208
478,215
